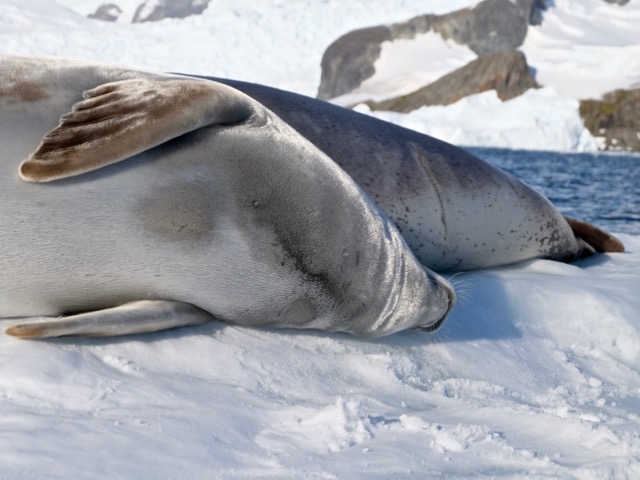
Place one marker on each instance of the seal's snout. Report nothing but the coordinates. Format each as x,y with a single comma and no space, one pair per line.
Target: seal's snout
447,289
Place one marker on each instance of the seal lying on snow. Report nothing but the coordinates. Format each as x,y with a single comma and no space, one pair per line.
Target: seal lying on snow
223,211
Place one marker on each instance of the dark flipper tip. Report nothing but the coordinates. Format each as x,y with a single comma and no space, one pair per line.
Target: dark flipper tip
599,240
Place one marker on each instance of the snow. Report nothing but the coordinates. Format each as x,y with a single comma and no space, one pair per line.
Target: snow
535,375
275,42
583,48
551,121
406,65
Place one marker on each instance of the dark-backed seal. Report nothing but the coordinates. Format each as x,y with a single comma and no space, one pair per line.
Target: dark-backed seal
456,211
221,210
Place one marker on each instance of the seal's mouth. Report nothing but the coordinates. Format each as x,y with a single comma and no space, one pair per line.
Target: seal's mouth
436,325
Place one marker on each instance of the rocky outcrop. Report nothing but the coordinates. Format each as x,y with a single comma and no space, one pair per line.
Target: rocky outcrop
505,72
349,60
615,118
108,12
153,10
491,26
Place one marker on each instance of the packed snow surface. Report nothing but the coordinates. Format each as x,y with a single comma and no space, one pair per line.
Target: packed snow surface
535,375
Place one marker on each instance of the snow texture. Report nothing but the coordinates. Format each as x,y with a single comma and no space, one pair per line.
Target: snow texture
535,375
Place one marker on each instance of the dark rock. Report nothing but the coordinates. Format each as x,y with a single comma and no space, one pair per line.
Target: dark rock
505,72
535,15
163,9
349,60
108,12
492,26
170,9
412,28
619,2
616,118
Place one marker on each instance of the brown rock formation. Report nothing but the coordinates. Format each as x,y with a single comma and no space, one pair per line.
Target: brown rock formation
505,72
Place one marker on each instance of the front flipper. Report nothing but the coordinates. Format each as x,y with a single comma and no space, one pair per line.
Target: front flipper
136,317
120,119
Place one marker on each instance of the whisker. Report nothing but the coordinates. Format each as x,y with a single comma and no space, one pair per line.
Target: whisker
462,286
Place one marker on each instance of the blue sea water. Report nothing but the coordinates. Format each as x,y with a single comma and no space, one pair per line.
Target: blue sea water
602,188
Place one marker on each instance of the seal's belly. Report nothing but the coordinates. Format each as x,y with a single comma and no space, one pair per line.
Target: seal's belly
137,230
105,240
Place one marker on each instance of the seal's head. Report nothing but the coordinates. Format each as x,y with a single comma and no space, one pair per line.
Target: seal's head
415,297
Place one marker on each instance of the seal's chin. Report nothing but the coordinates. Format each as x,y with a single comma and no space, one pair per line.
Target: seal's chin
432,328
437,324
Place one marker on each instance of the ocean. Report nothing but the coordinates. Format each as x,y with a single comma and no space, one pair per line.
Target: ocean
600,188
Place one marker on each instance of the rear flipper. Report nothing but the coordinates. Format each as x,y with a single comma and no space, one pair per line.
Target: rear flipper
131,318
593,240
